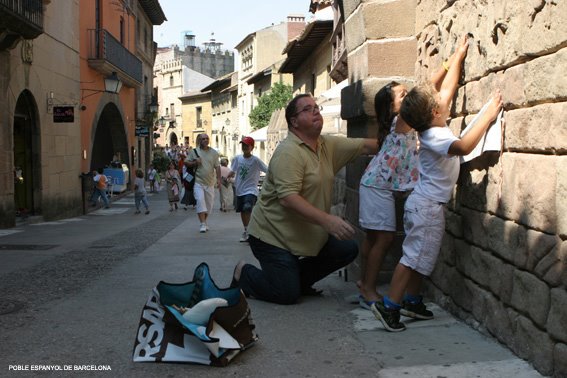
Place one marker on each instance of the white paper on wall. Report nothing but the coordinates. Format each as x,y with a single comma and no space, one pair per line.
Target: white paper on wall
490,141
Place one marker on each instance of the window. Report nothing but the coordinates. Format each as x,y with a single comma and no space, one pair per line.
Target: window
198,114
122,30
171,81
172,107
167,112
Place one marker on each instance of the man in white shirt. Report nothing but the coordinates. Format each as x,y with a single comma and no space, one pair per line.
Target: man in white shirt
246,168
205,160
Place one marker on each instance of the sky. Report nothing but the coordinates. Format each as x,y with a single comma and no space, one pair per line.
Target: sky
229,20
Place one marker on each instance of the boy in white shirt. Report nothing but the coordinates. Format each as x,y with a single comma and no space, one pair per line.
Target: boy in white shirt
426,109
246,168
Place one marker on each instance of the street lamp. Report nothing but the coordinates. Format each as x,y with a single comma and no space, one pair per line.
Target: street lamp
112,84
153,105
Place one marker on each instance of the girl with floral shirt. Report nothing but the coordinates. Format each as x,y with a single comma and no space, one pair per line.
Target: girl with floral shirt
392,173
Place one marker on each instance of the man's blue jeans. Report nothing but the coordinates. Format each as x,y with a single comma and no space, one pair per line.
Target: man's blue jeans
99,193
283,275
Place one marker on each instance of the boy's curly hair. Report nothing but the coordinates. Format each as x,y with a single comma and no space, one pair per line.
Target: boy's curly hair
418,106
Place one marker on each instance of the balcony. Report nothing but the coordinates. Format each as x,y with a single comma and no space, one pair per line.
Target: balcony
106,55
19,19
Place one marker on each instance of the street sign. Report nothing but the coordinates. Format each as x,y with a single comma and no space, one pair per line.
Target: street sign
63,114
142,131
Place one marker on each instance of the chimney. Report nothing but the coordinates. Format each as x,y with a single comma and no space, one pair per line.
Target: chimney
295,25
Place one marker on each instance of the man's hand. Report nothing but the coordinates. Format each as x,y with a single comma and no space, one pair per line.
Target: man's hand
338,227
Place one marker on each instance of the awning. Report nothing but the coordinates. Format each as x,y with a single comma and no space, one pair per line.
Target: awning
260,135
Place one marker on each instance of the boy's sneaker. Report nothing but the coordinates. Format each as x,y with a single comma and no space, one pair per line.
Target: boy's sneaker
416,311
203,228
137,212
244,237
147,212
390,318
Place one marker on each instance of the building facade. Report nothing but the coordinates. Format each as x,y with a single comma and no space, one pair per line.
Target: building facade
258,52
179,72
40,145
197,116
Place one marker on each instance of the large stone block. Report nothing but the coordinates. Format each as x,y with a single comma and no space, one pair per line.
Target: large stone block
383,58
530,296
389,19
561,195
505,34
553,267
500,320
540,128
535,345
349,7
538,245
557,321
463,257
505,238
447,252
560,360
492,273
454,223
530,194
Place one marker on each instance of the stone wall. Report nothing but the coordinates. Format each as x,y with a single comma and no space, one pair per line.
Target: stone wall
503,262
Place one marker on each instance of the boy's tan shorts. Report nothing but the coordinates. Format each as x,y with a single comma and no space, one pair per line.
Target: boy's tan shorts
424,224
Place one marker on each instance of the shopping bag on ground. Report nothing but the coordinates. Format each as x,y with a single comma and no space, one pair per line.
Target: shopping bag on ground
194,322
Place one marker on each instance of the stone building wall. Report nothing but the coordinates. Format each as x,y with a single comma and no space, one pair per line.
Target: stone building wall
503,264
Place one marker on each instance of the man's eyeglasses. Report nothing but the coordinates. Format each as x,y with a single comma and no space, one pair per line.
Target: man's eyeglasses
309,109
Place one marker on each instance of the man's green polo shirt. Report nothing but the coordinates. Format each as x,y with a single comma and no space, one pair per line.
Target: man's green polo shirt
296,169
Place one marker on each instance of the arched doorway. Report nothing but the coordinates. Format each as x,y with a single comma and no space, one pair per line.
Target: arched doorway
27,154
110,140
173,140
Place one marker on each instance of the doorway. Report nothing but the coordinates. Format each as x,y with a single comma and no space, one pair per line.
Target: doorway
27,153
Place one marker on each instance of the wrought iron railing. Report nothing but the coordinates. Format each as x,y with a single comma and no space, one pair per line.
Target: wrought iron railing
26,12
103,46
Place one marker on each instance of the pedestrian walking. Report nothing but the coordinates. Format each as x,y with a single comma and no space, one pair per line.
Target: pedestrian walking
152,177
226,189
205,161
246,169
140,192
101,186
173,185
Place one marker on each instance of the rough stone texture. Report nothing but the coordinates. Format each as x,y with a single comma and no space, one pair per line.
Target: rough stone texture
376,20
529,199
560,360
505,238
505,33
521,133
454,223
383,58
534,345
503,261
557,321
553,267
538,245
349,6
530,296
501,321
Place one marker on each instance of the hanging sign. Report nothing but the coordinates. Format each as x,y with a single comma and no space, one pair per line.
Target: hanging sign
63,114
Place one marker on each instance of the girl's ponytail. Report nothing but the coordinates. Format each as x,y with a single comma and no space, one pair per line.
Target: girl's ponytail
384,114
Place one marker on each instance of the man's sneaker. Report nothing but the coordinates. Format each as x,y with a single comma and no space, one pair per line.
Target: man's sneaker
244,237
203,228
390,318
416,311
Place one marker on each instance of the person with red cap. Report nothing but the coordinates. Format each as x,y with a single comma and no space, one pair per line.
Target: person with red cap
246,169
